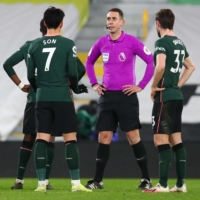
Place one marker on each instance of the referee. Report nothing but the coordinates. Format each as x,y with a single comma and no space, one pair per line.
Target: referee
118,102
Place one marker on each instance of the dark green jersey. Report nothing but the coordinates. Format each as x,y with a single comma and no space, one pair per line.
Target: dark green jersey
175,52
53,59
16,58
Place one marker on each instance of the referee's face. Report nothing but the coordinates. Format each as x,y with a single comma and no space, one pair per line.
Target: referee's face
114,22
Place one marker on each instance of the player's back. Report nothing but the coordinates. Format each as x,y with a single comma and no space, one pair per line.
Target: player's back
51,55
175,52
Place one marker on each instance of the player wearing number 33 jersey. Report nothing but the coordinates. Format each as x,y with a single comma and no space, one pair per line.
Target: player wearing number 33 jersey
170,56
175,52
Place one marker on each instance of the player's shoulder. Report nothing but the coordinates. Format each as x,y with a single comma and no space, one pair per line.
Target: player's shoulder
33,42
161,41
25,46
66,40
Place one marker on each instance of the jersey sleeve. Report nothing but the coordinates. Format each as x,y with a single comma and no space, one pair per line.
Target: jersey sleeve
159,48
142,51
93,55
13,60
80,68
31,68
186,52
72,66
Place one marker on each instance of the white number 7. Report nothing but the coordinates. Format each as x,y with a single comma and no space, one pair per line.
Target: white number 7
51,52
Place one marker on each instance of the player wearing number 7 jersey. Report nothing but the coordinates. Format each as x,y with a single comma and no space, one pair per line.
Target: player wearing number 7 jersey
169,57
54,58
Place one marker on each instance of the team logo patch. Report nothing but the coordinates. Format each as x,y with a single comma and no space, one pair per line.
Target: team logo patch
105,57
74,51
122,57
146,50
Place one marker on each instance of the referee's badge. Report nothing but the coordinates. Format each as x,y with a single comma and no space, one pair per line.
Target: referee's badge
105,57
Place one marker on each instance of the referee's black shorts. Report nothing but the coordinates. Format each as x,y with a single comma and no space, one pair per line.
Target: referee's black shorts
55,118
29,122
115,107
166,117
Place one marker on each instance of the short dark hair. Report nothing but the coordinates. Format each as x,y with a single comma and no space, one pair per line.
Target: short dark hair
121,14
53,17
43,28
166,18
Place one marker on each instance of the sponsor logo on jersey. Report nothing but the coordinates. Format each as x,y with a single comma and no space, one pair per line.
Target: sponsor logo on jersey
146,50
122,57
74,51
105,57
160,48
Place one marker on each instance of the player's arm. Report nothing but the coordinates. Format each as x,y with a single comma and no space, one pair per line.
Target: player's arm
8,65
72,67
189,68
159,71
31,69
81,69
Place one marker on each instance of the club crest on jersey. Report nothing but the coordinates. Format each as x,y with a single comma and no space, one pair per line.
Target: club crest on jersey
105,57
122,57
146,50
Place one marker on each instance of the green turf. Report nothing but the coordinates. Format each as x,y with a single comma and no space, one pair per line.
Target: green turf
115,189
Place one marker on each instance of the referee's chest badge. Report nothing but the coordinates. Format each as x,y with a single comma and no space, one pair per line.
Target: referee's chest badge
122,57
105,57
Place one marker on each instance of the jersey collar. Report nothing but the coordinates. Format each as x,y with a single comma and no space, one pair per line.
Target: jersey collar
119,39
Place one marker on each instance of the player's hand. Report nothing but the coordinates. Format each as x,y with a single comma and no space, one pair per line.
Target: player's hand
81,89
153,92
130,89
26,88
99,88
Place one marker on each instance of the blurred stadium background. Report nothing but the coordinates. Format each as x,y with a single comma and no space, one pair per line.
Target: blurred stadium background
85,22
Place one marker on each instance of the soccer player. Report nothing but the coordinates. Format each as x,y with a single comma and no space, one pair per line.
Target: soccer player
29,128
169,57
54,58
118,102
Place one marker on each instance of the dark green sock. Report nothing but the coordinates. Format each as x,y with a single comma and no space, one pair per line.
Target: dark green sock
164,163
72,159
24,155
50,156
180,159
40,157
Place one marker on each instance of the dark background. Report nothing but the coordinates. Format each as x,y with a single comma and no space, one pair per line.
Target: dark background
122,163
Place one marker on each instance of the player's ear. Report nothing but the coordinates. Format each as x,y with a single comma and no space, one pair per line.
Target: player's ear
157,24
122,22
61,24
45,24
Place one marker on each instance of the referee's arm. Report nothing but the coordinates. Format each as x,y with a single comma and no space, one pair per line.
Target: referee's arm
93,55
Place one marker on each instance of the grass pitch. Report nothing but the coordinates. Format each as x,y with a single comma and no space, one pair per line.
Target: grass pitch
115,189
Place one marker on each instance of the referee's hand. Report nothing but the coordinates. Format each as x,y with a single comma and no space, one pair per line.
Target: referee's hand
99,88
130,89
